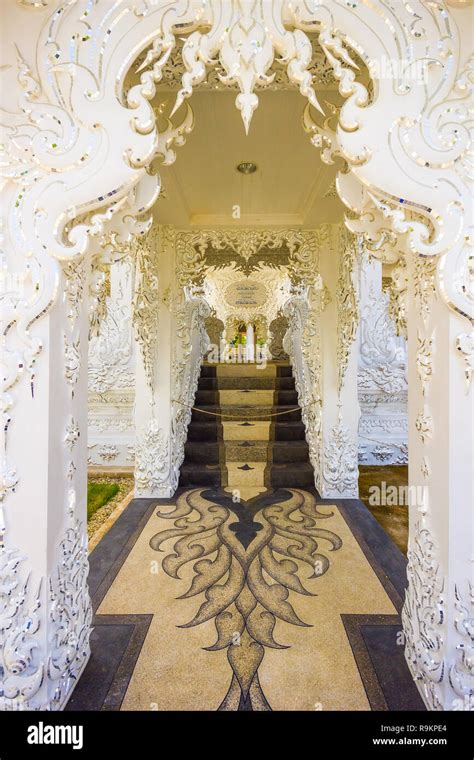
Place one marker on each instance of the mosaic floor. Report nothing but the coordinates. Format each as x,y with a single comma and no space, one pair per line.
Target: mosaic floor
246,591
280,602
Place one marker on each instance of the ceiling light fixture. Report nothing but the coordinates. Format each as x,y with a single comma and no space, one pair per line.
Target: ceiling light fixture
247,167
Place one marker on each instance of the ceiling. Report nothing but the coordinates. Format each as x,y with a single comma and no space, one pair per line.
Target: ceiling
291,187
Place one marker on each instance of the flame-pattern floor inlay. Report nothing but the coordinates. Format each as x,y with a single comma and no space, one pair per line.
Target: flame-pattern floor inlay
248,602
242,556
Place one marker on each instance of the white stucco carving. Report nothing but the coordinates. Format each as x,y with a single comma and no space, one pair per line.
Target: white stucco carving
382,375
77,148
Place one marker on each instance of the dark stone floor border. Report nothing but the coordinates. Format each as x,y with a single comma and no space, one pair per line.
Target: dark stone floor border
376,643
116,643
113,549
117,640
375,639
383,555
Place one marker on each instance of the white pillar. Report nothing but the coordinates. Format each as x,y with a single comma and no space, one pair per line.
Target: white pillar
46,619
439,607
250,343
169,318
339,352
154,328
112,375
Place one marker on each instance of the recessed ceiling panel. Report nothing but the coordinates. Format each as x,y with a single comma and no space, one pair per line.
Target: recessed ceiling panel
203,186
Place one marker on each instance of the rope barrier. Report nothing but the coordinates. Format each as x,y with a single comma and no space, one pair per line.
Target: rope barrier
271,414
382,443
243,416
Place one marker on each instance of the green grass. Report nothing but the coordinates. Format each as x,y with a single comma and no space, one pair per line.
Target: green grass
98,494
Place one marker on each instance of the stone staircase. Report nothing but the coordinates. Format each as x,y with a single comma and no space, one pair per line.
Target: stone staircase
235,450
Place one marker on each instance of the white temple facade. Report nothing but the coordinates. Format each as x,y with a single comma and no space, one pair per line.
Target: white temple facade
237,267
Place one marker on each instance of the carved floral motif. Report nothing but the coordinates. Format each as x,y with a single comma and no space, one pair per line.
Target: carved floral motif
146,305
382,374
278,328
423,616
110,350
341,472
70,614
424,273
189,348
302,344
465,348
424,425
347,305
22,668
152,458
398,295
424,360
461,672
173,71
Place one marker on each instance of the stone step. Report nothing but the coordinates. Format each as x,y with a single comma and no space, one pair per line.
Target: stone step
243,413
246,474
258,430
208,430
202,452
289,431
294,475
290,451
246,370
195,475
203,431
246,397
264,383
212,452
245,446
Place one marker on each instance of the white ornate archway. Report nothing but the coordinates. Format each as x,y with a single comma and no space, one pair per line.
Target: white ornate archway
77,150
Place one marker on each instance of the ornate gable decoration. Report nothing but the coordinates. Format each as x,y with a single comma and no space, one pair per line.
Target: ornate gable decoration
249,248
243,38
319,68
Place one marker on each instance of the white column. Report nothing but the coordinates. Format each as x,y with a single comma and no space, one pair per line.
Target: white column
112,375
154,329
46,619
250,343
169,321
339,352
439,607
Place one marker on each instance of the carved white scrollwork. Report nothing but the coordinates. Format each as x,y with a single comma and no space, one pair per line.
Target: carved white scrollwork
382,374
22,666
341,473
424,615
302,344
189,348
70,175
70,615
23,669
347,304
152,458
461,672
